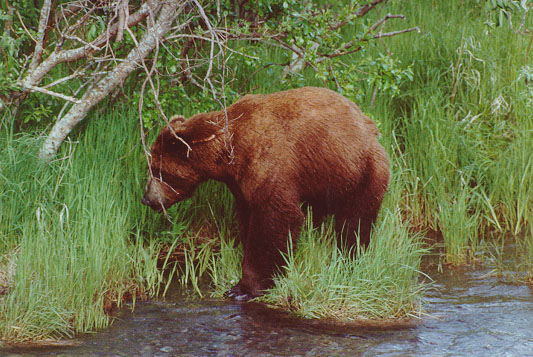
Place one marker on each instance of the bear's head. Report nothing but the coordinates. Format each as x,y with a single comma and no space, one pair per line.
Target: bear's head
176,162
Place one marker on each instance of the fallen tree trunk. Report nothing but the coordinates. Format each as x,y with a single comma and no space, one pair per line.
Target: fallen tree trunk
116,77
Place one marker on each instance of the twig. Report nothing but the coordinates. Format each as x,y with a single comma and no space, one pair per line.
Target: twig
334,77
148,79
86,44
64,79
82,20
211,51
53,94
298,55
394,33
25,28
344,50
383,19
337,54
365,9
339,24
67,10
65,106
210,39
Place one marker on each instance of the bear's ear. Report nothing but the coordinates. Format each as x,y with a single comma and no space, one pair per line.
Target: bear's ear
199,129
176,120
206,139
193,131
201,134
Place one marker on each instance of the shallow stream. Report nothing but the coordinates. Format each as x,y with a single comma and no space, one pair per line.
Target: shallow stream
469,313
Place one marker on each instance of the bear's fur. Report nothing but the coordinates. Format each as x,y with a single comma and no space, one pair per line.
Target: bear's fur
307,146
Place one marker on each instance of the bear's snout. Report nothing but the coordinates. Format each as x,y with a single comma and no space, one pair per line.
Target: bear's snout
153,197
156,205
145,201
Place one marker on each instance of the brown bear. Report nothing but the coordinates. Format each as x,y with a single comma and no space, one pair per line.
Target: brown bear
277,153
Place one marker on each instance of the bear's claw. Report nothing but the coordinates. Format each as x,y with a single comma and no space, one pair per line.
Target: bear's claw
236,293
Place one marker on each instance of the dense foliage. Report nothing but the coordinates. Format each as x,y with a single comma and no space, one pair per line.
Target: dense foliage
208,61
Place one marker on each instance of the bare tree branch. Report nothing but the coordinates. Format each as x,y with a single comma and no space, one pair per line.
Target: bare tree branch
43,22
297,60
123,14
394,33
60,56
367,8
54,94
383,19
67,11
116,77
215,40
89,36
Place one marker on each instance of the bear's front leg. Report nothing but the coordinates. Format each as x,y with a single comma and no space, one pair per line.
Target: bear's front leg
243,218
267,238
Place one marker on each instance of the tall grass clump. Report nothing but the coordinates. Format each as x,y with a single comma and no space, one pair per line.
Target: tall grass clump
511,173
462,129
225,267
75,227
200,241
319,281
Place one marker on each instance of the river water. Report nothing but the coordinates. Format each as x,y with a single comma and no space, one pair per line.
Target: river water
470,313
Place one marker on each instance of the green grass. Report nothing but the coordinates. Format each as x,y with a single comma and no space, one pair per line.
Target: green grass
76,241
75,227
462,131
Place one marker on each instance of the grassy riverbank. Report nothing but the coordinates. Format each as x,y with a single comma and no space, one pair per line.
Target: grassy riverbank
464,130
75,239
72,232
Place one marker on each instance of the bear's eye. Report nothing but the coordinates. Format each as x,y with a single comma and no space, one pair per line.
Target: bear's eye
170,179
160,175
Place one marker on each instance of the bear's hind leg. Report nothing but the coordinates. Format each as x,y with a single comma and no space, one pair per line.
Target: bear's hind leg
360,211
350,226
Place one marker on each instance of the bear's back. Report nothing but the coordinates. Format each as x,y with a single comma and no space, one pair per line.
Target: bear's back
311,134
285,113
